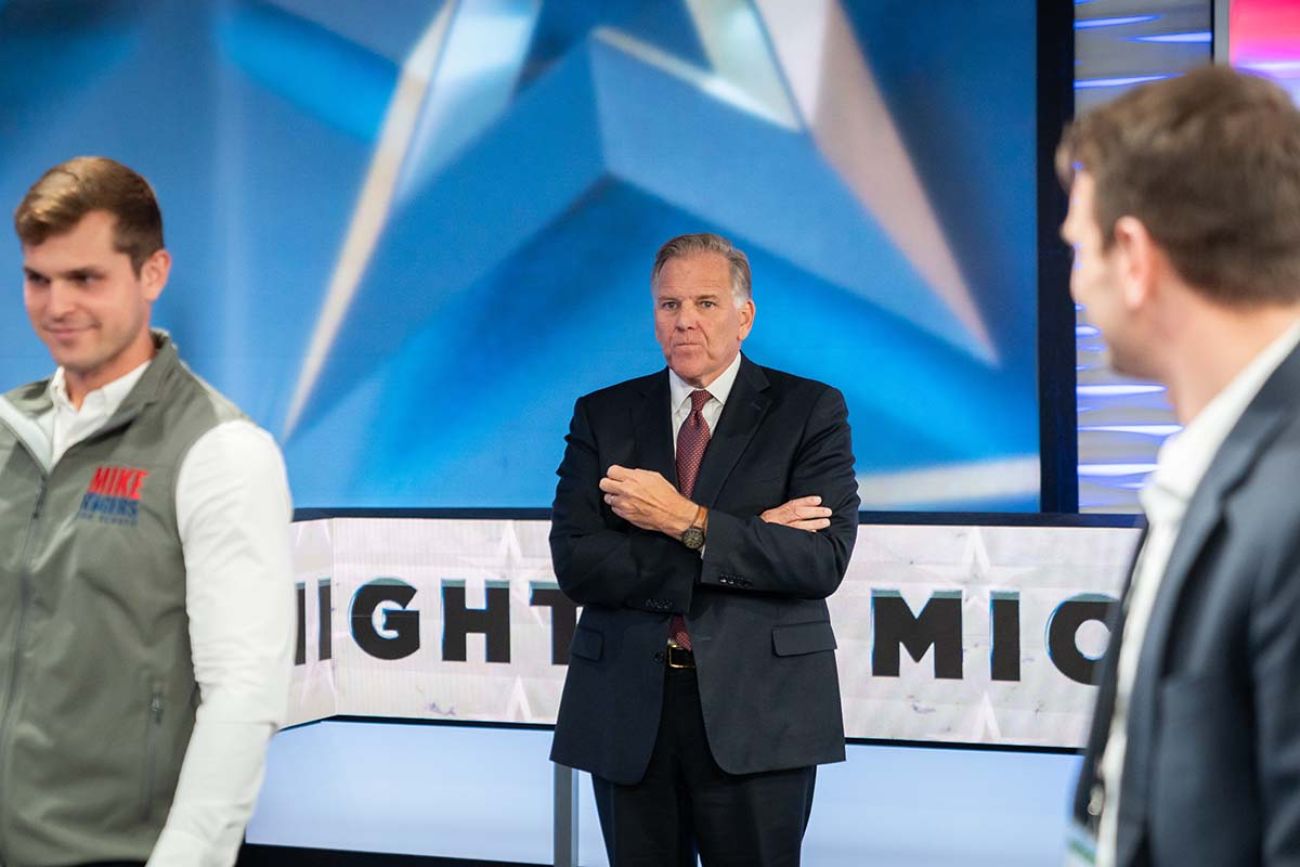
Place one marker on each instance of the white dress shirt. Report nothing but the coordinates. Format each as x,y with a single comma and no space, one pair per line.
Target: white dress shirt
680,390
233,512
1180,466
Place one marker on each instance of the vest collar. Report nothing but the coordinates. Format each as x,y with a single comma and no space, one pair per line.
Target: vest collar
21,406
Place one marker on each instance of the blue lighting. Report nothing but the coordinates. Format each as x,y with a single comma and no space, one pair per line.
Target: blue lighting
1201,37
1113,470
1274,67
1116,449
1155,430
1116,390
1090,23
1091,83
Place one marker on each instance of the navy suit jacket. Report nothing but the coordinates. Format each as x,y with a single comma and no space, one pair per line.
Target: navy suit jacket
1212,768
754,603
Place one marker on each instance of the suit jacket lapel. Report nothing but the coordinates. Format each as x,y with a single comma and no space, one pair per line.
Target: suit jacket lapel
653,424
1257,426
741,416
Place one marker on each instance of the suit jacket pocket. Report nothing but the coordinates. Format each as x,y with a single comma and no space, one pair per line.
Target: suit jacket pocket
587,643
794,639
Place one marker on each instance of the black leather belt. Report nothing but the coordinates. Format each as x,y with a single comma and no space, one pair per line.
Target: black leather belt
680,657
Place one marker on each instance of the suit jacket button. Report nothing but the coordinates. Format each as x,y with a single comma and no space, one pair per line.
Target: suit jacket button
659,656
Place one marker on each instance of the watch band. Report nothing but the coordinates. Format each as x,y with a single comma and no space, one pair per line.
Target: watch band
693,536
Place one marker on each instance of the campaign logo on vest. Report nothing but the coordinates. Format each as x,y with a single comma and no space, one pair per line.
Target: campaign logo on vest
113,495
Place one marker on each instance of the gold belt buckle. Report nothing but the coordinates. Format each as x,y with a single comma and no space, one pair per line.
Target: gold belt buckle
679,657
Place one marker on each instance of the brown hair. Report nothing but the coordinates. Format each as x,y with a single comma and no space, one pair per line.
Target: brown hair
1209,162
70,190
707,242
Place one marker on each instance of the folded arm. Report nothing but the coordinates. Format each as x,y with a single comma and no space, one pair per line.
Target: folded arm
615,530
600,558
749,553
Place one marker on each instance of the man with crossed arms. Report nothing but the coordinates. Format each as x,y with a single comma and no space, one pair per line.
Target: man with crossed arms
703,515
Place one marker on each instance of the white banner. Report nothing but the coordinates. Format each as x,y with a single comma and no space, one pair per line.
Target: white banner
959,634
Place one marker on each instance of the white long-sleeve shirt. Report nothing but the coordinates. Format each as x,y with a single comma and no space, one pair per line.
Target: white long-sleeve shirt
233,512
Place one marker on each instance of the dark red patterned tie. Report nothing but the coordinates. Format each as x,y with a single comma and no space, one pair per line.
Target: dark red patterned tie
691,442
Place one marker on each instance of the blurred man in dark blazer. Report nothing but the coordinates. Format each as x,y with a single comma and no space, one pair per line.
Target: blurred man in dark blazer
1185,220
703,515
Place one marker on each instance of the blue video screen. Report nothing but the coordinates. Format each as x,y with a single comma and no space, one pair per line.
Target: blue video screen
407,236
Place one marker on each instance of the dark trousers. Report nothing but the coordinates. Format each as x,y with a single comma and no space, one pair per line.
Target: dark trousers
686,803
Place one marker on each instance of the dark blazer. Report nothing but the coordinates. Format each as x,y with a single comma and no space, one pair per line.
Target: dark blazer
754,604
1212,768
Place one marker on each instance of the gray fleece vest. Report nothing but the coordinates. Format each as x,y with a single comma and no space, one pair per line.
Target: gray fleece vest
97,689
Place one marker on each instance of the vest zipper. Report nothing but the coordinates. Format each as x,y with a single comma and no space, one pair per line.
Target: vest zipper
24,585
154,728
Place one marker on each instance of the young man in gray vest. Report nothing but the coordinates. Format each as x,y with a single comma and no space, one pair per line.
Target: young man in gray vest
146,611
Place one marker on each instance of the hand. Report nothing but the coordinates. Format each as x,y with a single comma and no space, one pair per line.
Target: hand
802,513
648,500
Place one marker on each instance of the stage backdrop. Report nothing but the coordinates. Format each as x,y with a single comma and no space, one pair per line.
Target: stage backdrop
408,235
948,634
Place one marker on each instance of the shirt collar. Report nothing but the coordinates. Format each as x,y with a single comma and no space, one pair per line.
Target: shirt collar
1185,456
104,400
680,390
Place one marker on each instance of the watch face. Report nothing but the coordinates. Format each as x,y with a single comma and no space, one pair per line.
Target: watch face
693,538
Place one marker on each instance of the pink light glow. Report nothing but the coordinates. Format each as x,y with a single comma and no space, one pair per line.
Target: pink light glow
1264,36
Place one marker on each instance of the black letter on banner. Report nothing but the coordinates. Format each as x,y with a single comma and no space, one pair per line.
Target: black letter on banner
564,618
493,621
300,643
939,626
405,624
325,619
1004,655
1062,634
